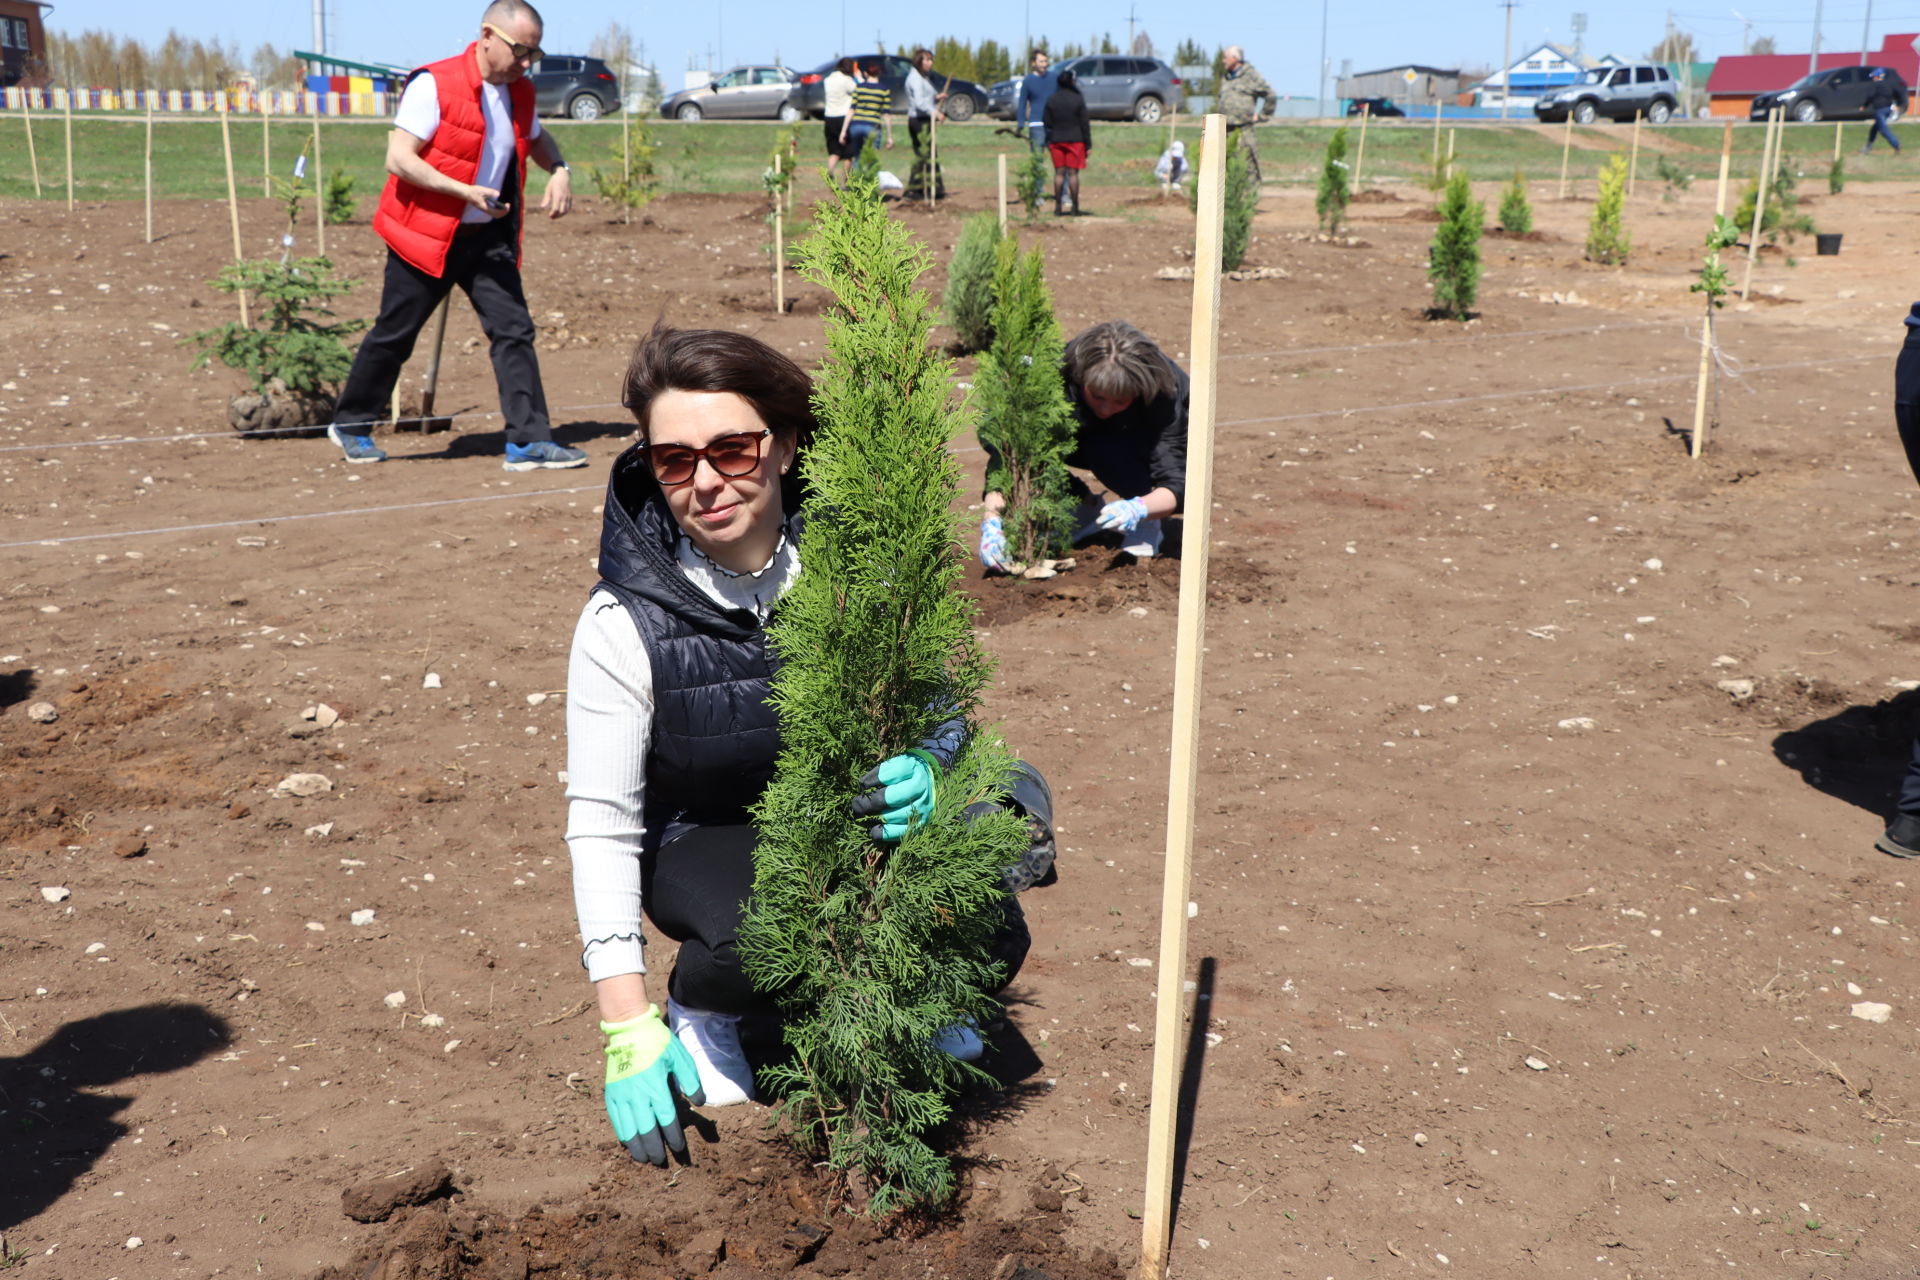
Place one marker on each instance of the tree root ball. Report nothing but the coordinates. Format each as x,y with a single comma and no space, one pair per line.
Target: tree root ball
279,412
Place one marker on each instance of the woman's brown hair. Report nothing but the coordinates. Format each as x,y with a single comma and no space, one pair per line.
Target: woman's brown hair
670,359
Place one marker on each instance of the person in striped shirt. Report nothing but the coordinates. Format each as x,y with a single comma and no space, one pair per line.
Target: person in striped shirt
869,113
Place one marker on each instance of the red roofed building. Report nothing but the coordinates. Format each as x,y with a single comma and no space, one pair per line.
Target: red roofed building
1737,78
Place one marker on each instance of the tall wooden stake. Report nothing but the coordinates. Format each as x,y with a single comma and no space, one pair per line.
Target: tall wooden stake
233,202
1633,165
149,166
1365,111
1003,193
69,100
933,161
33,157
319,187
1836,141
1184,775
432,387
1698,440
1439,109
1566,152
266,146
1759,204
1450,134
779,246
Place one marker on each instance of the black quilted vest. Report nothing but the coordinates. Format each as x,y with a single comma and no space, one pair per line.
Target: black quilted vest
715,737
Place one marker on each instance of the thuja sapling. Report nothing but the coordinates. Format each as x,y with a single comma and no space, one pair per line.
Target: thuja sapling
628,181
1453,261
1330,201
1033,183
873,950
970,273
1607,238
1026,420
1516,214
1242,201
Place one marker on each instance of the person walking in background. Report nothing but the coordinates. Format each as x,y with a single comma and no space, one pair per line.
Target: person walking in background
1030,100
839,86
923,104
452,214
867,114
1069,137
1880,102
1241,91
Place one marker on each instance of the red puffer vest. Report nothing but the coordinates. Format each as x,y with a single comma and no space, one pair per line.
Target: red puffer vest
419,224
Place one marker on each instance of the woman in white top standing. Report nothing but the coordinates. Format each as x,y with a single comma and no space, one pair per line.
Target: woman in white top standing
839,87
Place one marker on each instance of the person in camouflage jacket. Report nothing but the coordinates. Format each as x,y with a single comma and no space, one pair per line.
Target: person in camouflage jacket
1242,89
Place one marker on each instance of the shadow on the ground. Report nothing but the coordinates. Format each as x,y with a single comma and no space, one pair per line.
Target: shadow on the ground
1857,754
55,1125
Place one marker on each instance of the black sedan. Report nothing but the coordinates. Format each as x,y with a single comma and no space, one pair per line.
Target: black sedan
1375,107
1839,93
965,99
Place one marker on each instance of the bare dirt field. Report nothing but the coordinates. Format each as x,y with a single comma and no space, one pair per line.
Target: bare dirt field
1521,947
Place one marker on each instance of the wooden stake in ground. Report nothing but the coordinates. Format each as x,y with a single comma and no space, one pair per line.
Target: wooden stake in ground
1190,635
1633,165
233,202
266,146
1759,204
319,204
69,150
1836,141
779,244
149,166
1439,109
433,366
1698,440
1450,134
933,161
1365,111
1566,152
1003,193
33,158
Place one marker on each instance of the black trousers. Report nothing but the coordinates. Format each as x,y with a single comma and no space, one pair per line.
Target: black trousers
1906,416
920,133
481,262
696,890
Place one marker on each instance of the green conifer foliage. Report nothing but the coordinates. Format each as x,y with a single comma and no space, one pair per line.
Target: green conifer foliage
1453,261
1516,214
294,338
969,298
872,950
1243,199
1607,238
1034,179
1330,201
1024,412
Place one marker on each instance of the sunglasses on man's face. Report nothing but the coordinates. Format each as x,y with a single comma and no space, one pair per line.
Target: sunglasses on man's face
732,455
520,52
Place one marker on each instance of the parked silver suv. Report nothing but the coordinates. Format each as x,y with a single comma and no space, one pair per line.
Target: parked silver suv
1616,93
1115,88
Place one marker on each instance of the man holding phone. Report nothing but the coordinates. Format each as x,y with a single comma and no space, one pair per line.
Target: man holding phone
451,216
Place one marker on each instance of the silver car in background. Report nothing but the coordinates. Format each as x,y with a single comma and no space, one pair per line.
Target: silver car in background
1115,88
741,93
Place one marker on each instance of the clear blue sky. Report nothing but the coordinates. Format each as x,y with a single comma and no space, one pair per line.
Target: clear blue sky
1283,41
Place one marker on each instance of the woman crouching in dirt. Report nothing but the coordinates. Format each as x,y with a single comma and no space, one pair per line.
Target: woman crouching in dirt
1130,405
671,739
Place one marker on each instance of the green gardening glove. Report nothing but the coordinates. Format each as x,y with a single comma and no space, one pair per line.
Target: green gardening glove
899,791
644,1066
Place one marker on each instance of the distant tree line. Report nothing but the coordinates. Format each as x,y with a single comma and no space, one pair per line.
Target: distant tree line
990,60
101,60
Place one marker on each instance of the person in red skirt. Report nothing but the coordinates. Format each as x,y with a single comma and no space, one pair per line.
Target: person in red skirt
1069,138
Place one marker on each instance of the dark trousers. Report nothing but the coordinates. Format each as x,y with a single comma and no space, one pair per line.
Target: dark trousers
696,890
481,262
1906,416
920,133
1881,120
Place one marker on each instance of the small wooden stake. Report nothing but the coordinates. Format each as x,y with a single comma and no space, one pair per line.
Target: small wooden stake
1759,205
266,146
626,169
1450,134
320,203
1184,775
233,202
933,160
1836,142
1633,165
69,150
1365,111
1566,152
432,387
149,166
1439,109
1003,193
26,118
779,247
1698,441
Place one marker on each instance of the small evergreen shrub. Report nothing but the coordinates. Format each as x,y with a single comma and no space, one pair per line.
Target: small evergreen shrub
866,165
1034,176
1243,197
294,340
340,202
628,180
873,950
1516,215
970,282
1837,176
1330,201
1607,238
1781,217
1026,420
1453,261
1676,178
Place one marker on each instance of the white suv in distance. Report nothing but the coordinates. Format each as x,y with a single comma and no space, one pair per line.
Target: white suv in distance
1616,93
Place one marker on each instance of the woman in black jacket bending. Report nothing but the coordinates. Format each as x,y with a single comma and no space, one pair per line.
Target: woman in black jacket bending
1069,138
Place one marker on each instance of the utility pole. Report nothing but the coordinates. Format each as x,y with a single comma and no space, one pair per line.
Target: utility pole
1321,103
1579,40
1746,31
1506,59
1130,9
1866,33
1813,59
320,26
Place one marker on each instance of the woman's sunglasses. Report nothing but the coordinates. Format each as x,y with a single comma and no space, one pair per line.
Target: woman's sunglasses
733,455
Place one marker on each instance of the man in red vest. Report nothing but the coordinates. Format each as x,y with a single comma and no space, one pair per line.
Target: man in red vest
451,215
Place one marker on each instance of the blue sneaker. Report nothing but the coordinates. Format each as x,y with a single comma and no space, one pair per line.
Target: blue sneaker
543,455
357,448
